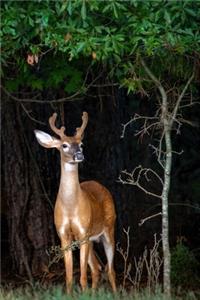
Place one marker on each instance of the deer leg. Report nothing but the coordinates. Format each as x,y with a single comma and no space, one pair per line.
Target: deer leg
84,253
94,266
108,242
68,259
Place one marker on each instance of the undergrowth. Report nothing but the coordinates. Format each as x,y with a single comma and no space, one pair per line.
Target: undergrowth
58,293
131,286
184,267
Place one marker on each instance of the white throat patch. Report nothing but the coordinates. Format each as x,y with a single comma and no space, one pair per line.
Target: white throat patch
70,167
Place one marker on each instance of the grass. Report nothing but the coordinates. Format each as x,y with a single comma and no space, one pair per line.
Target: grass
57,293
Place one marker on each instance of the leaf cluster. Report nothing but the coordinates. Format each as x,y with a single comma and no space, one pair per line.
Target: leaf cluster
115,33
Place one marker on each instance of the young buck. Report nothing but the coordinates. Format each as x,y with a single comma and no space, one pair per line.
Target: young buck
83,211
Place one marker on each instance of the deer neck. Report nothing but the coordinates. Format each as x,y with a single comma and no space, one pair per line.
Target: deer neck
69,183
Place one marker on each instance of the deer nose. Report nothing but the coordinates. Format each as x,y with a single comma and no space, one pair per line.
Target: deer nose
78,156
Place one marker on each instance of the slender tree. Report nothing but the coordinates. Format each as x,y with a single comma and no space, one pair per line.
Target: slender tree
167,118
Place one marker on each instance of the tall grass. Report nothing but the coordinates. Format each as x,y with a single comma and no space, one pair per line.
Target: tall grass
58,293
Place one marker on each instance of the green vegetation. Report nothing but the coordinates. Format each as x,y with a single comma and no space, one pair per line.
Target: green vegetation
58,293
57,35
184,267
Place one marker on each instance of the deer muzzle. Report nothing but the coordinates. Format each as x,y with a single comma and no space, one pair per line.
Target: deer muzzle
78,156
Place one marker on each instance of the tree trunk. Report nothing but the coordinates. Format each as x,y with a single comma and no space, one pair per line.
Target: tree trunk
30,219
165,215
167,126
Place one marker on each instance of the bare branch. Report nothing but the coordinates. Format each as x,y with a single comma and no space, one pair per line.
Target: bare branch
125,256
105,84
189,104
158,151
174,113
60,100
124,127
193,124
136,118
135,177
142,221
145,129
29,115
74,97
178,153
156,81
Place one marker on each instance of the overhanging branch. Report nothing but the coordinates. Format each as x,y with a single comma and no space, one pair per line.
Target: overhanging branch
174,113
156,81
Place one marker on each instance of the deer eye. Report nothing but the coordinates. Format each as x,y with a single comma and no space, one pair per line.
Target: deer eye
65,146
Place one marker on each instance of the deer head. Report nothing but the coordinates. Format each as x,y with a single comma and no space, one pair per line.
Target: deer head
69,146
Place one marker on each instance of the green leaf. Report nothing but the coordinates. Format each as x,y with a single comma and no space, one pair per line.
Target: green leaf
80,47
44,20
64,6
12,85
69,7
30,21
37,84
191,12
9,30
83,10
167,17
115,11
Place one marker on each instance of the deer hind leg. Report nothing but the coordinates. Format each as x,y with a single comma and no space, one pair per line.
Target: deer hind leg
84,253
94,266
68,259
109,247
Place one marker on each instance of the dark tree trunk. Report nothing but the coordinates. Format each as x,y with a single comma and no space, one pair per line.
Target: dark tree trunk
30,218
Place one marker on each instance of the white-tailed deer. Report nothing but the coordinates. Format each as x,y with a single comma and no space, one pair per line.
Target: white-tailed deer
83,211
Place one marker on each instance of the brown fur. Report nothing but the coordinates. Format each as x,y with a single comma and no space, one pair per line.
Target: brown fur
83,212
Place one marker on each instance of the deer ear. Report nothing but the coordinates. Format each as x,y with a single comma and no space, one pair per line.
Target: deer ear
46,140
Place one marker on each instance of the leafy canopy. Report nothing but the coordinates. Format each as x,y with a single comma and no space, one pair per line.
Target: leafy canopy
67,36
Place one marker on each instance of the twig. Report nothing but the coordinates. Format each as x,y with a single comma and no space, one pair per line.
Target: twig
142,221
141,172
146,128
136,118
157,83
125,256
105,85
30,117
189,105
174,113
70,98
153,265
58,252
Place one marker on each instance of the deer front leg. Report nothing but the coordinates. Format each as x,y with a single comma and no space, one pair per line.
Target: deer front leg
84,251
94,266
68,259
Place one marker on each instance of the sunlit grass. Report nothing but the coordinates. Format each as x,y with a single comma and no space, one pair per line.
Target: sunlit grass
58,293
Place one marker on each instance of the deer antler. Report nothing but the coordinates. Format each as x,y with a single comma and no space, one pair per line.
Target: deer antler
80,130
58,131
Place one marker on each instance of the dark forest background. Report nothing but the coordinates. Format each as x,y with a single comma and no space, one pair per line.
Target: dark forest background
30,175
92,62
